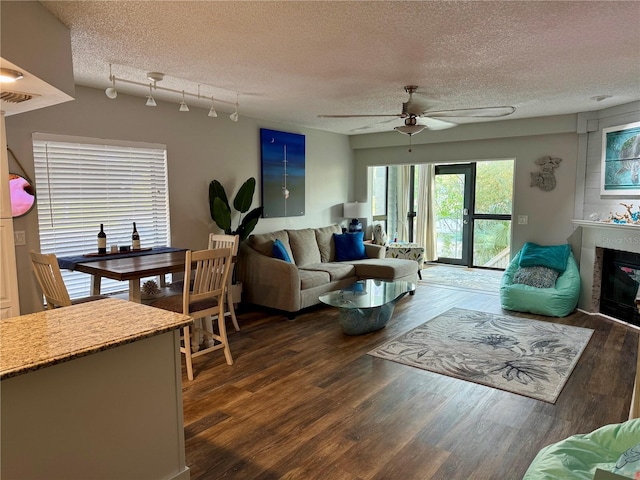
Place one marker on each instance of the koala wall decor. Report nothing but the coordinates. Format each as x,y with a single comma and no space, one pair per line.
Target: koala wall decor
544,179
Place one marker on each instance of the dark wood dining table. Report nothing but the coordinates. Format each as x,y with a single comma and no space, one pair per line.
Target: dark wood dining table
132,269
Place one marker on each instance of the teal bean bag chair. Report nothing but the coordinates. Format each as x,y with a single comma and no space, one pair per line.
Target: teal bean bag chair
612,448
556,301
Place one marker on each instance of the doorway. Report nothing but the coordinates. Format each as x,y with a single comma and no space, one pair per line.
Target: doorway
473,205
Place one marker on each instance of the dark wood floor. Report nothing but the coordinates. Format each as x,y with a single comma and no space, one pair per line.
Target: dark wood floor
304,401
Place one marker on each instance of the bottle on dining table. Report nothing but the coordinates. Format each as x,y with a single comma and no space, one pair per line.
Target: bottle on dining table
135,238
102,240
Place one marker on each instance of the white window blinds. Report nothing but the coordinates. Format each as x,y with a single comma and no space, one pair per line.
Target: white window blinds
83,182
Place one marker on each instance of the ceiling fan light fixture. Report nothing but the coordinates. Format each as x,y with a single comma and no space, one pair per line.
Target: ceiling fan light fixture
410,129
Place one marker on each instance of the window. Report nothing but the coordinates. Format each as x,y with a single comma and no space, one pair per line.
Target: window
83,182
379,196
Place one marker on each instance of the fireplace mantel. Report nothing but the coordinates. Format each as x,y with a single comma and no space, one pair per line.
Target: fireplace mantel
607,225
595,236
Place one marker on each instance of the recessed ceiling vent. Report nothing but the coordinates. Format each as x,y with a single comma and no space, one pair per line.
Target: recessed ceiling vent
16,97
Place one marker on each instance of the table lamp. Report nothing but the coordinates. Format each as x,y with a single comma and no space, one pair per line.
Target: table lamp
355,211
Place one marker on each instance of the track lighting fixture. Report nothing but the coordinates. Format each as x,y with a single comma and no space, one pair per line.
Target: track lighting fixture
183,105
111,92
150,100
212,112
234,115
9,76
155,77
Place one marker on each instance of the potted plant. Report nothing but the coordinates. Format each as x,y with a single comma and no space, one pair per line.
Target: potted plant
221,215
221,211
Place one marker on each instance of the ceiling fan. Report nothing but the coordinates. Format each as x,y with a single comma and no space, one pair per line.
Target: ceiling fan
414,109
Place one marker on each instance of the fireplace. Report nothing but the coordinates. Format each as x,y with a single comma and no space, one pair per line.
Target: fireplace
619,285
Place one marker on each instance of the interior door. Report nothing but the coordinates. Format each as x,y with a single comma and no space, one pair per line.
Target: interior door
454,196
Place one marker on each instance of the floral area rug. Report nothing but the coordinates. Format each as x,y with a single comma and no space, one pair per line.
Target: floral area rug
519,355
460,277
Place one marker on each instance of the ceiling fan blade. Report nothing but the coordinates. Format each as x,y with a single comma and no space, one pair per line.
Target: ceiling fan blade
435,123
397,115
489,112
374,125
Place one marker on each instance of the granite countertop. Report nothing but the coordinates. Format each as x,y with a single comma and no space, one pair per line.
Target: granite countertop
39,340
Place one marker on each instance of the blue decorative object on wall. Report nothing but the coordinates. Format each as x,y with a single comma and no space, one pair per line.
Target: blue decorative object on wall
283,173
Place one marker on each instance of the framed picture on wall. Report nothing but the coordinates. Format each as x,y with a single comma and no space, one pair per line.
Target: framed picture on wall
283,173
620,170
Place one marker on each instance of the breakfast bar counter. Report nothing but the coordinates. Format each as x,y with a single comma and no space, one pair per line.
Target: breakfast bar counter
92,391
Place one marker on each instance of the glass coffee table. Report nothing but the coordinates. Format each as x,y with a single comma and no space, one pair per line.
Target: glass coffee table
367,305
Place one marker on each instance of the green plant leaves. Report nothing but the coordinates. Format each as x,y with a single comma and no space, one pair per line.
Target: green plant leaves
244,197
216,190
222,215
249,222
221,211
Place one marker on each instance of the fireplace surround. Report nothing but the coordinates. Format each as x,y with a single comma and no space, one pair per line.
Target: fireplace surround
596,237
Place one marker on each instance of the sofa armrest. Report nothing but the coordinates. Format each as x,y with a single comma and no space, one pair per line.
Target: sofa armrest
268,281
374,251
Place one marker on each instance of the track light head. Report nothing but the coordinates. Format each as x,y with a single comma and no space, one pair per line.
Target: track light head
183,105
151,102
212,112
234,116
111,92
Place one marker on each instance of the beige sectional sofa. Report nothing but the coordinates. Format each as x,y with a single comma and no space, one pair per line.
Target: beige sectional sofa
290,287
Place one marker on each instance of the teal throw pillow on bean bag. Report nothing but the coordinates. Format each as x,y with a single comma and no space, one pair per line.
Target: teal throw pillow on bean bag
280,252
554,256
349,246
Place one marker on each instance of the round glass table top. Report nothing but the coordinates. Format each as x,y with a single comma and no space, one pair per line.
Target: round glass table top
369,293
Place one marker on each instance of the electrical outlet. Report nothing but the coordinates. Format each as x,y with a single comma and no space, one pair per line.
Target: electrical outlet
523,219
19,238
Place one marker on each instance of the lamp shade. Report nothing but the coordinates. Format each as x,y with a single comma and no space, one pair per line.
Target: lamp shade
356,210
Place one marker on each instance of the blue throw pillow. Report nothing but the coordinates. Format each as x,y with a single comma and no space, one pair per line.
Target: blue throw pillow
554,257
349,246
279,251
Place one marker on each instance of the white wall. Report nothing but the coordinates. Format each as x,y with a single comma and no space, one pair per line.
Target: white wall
593,202
549,213
199,149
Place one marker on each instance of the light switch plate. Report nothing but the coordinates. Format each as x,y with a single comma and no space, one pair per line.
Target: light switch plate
523,219
19,238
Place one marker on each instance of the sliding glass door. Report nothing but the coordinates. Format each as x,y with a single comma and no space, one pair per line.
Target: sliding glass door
453,203
473,204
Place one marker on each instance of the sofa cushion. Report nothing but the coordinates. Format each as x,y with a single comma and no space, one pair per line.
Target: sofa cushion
311,278
304,246
280,252
326,245
336,271
349,246
388,268
263,243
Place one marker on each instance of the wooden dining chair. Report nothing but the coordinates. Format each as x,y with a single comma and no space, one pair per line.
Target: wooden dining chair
45,266
232,242
203,296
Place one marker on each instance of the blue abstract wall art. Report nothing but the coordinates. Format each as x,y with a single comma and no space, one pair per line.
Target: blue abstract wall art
283,173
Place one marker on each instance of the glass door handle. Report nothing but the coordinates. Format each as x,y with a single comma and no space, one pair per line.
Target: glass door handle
465,211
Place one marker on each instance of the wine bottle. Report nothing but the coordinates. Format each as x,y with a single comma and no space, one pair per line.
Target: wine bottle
135,238
102,240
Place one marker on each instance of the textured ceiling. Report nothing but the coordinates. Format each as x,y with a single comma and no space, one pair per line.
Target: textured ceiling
291,61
